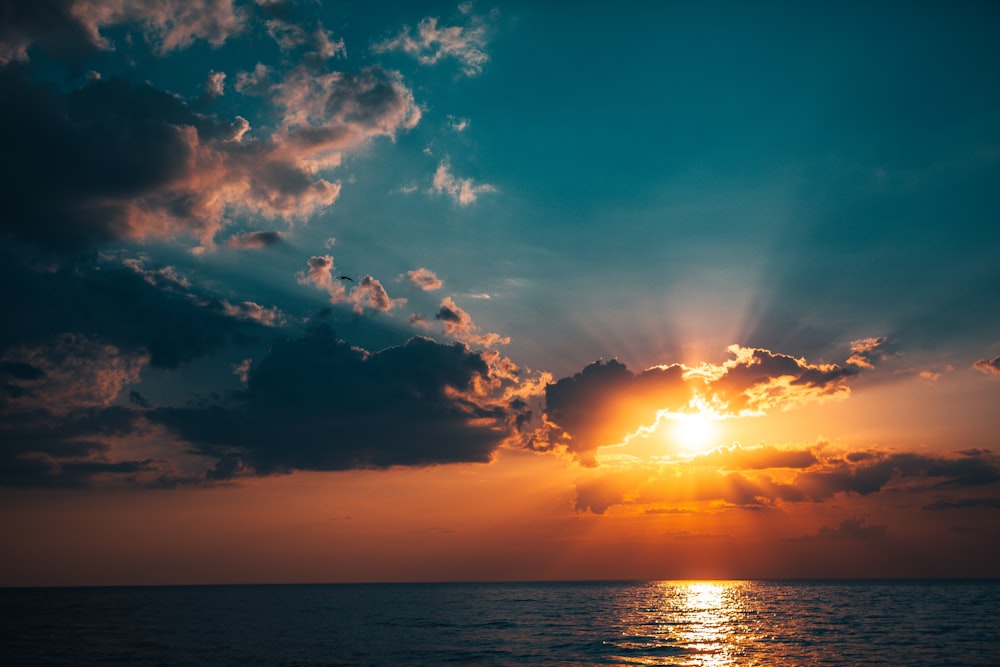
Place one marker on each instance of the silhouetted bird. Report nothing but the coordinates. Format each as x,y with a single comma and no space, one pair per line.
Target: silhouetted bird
346,278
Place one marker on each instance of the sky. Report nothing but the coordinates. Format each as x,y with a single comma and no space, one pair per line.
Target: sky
299,291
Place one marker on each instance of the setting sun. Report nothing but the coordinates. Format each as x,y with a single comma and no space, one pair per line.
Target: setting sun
693,432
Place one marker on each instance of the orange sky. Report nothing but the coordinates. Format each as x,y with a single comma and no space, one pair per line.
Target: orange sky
519,517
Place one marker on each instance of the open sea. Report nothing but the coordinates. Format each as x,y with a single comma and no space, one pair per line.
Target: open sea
772,623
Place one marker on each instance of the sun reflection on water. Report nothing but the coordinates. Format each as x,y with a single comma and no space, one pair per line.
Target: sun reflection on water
694,623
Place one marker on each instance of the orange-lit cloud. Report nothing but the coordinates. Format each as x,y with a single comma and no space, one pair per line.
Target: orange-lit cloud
366,293
459,325
863,351
606,403
988,366
463,191
771,477
70,373
430,42
425,279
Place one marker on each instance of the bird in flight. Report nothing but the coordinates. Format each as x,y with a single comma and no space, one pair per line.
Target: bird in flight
346,278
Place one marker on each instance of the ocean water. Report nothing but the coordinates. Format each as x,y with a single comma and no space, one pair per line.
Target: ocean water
714,623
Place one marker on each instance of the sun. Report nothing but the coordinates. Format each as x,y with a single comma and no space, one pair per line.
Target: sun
693,432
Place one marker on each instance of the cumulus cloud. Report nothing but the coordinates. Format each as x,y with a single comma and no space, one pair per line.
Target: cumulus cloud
367,292
988,366
430,43
317,403
463,191
605,403
215,85
324,115
129,161
122,303
425,279
459,325
757,381
879,470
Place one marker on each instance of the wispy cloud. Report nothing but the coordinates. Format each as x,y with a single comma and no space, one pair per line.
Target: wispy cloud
463,191
430,42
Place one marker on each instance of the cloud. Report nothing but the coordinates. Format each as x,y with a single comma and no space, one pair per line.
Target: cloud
254,240
254,312
121,303
367,292
862,351
988,366
734,477
72,29
989,502
462,190
129,161
317,403
458,124
605,403
459,325
425,279
167,25
763,457
71,372
430,43
898,470
215,85
757,381
853,528
320,43
324,115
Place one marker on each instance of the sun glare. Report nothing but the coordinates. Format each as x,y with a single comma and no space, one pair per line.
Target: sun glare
694,432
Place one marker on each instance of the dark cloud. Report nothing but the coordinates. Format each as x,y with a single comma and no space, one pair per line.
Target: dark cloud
853,528
605,402
135,312
49,23
41,449
114,160
705,479
756,458
254,240
916,470
988,366
963,503
317,403
759,380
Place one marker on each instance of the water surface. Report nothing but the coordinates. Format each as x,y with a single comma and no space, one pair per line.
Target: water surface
704,624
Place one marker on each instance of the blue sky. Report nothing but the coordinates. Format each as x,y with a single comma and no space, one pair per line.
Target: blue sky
228,221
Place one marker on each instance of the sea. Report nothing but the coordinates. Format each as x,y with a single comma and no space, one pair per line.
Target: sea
703,623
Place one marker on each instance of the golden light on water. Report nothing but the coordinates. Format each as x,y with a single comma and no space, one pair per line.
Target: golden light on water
686,622
708,622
